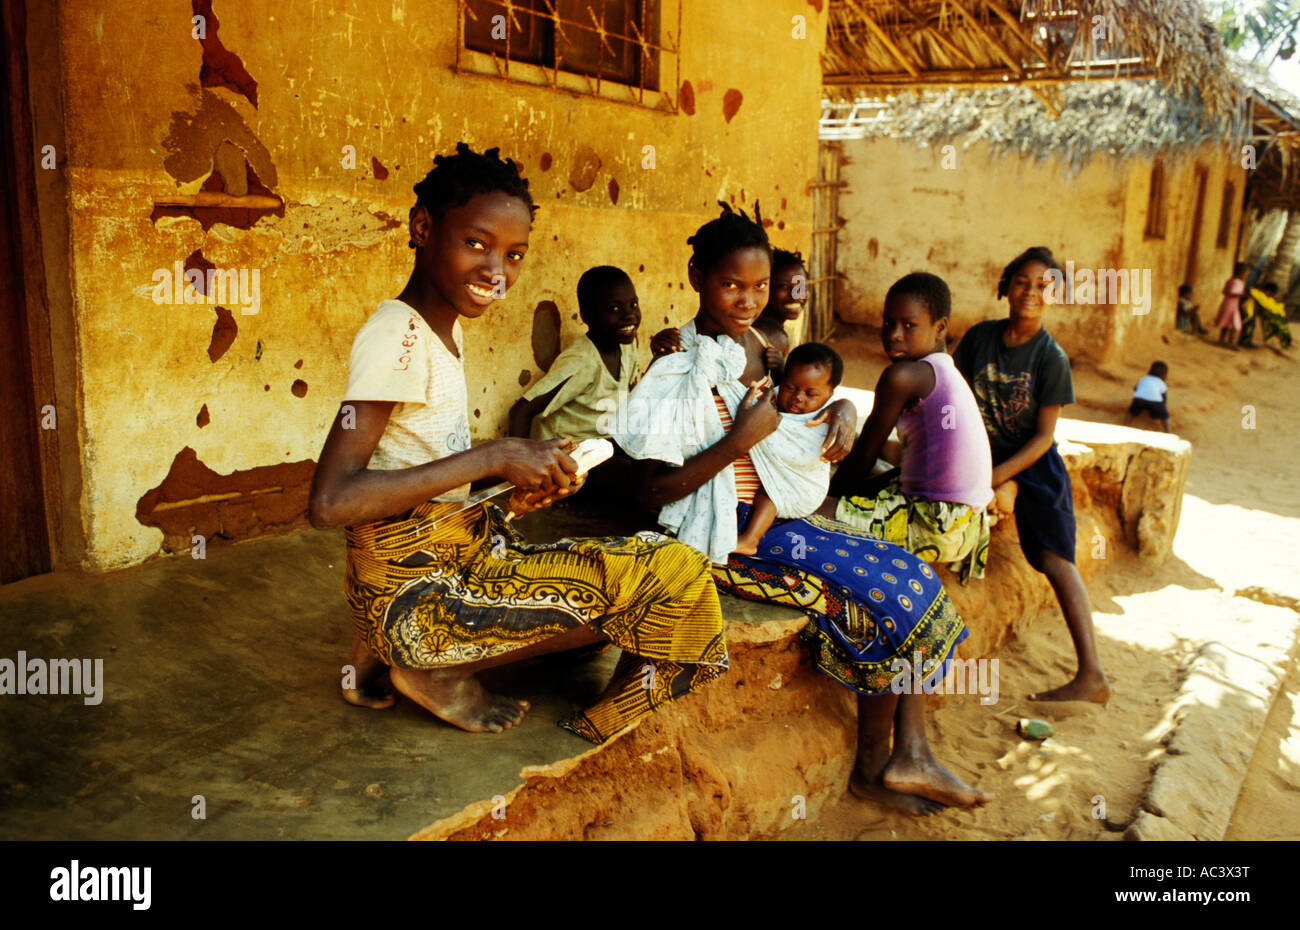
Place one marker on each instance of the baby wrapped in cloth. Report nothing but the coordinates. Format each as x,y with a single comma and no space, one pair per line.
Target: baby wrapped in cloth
671,416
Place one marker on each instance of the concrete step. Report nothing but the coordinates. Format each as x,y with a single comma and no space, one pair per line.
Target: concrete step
1228,692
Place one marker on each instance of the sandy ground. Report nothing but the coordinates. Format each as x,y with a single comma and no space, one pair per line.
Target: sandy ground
1240,525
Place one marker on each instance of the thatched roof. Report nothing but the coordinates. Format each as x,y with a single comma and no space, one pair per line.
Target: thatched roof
878,45
1121,119
1274,183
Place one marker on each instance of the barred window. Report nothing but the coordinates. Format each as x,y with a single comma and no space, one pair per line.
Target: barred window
608,48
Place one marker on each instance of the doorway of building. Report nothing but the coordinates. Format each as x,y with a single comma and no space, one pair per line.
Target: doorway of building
1194,242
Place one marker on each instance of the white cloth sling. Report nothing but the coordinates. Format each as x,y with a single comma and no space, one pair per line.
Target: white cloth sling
670,416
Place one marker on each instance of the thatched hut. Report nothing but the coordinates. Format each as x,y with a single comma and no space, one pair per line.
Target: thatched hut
1140,176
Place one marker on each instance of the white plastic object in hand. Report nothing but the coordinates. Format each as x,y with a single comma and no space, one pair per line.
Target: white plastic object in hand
590,453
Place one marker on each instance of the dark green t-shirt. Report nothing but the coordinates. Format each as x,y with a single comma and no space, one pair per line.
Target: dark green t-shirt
1010,384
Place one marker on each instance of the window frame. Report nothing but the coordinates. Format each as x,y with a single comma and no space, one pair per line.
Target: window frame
1157,201
667,45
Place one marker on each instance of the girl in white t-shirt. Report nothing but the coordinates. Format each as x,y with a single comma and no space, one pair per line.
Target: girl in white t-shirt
439,593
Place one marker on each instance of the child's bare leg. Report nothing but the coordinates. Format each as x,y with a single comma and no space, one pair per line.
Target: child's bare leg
1089,682
368,673
761,515
1164,424
455,695
913,770
875,721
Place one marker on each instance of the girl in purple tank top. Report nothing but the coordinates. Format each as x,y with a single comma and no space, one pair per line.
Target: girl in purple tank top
934,504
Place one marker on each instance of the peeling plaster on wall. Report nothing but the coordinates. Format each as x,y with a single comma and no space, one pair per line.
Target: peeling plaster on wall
546,334
686,98
194,499
586,165
731,101
193,138
333,225
221,67
224,331
330,258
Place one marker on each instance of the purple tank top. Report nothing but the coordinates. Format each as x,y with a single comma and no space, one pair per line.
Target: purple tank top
946,453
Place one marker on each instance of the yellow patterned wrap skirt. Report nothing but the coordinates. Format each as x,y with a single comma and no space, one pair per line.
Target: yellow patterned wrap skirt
937,531
427,596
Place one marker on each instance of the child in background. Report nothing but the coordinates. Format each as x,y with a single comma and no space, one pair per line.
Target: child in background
1021,379
936,507
587,378
1149,397
1188,314
1229,319
812,372
1263,306
788,294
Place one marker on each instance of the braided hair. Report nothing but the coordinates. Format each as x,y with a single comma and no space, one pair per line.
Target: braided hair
732,231
1039,253
455,179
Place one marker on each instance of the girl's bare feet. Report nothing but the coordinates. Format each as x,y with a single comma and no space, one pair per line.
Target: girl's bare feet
928,779
869,790
456,696
745,547
1085,686
368,675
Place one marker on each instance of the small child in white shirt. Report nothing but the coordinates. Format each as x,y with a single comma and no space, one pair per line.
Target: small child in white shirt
1149,397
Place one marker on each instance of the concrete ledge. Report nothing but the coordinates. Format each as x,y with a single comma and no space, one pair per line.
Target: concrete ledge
774,738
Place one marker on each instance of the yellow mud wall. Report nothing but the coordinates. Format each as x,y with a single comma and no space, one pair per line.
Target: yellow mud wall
376,76
905,211
1139,338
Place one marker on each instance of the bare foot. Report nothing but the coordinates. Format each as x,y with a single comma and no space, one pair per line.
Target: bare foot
745,547
458,698
931,780
1091,687
371,690
904,803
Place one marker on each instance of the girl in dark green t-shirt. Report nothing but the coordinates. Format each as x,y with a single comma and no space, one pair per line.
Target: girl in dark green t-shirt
1021,379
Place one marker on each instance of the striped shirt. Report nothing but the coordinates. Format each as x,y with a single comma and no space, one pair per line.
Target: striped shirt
747,483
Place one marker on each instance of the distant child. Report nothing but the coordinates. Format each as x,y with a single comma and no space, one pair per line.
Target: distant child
1263,306
1149,397
587,378
812,372
1021,379
787,296
1188,315
936,506
1228,321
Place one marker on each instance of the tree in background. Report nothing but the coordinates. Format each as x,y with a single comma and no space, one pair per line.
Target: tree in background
1266,30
